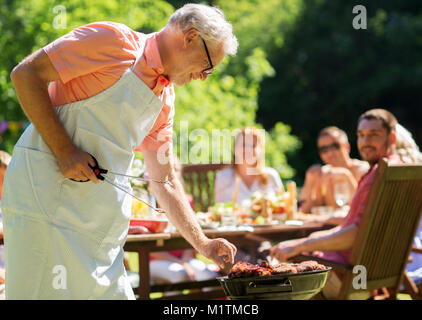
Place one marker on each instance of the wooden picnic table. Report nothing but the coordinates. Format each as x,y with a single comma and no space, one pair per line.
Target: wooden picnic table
146,243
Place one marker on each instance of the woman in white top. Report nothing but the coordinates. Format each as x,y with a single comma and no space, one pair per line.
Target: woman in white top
249,166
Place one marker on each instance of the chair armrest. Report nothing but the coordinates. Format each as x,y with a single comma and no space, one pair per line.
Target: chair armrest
340,267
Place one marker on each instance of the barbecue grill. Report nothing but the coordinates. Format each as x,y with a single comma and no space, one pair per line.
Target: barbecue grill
289,286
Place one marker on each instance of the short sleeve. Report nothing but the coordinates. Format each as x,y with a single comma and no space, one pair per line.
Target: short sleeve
90,48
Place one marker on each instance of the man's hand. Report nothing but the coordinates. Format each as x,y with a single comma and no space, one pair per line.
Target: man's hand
220,251
75,165
286,249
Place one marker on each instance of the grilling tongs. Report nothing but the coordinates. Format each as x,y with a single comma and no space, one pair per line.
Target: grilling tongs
99,174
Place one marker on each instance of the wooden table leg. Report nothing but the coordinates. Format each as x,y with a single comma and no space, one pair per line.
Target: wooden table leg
144,274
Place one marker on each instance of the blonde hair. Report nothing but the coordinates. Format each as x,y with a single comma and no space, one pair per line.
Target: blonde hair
4,158
210,23
260,140
406,147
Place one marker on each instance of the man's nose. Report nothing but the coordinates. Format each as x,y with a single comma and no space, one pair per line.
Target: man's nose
364,139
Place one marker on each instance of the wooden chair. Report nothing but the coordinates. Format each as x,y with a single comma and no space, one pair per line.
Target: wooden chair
199,182
386,231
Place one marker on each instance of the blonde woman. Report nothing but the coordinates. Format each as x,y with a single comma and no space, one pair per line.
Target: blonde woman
406,147
249,166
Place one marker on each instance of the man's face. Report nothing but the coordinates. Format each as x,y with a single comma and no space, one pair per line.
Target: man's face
331,150
373,140
189,62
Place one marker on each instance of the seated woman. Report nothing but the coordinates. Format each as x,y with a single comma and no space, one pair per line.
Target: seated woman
249,169
339,168
248,165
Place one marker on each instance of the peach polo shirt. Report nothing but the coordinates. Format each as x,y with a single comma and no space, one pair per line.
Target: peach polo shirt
91,58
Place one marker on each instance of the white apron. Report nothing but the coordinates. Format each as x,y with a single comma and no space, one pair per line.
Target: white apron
64,239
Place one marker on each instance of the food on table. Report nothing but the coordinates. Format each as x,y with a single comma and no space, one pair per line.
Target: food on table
244,269
138,230
139,209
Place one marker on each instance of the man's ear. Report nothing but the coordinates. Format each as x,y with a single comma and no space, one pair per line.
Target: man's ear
393,137
347,146
190,36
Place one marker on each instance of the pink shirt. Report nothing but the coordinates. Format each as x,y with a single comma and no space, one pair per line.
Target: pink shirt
357,207
91,58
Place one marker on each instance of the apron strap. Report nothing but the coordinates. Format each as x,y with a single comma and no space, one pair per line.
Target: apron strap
140,51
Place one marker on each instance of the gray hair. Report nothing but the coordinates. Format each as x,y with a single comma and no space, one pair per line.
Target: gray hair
210,23
406,147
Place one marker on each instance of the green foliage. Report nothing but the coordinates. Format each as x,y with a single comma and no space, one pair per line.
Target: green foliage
328,73
279,145
228,100
27,25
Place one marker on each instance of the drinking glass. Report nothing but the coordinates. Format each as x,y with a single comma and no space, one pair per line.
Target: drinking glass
341,193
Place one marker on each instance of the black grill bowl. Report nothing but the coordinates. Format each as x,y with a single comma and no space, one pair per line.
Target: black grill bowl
293,286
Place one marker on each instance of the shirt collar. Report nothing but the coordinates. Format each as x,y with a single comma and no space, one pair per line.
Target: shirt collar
152,55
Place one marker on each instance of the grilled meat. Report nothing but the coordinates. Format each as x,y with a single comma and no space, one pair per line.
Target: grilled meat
284,268
308,266
244,269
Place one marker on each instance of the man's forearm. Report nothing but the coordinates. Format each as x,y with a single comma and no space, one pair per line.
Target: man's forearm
342,239
35,101
179,212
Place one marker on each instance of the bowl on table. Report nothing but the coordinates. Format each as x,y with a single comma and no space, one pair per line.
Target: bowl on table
154,226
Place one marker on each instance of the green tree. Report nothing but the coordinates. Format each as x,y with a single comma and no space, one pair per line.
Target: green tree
227,100
328,73
27,25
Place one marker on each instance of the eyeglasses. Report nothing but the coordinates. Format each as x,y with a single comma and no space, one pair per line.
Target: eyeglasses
330,147
208,71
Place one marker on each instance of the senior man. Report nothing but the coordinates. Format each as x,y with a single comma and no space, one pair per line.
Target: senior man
111,91
376,139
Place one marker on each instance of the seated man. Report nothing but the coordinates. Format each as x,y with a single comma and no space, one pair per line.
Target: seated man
334,150
376,139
